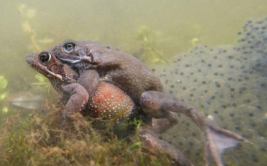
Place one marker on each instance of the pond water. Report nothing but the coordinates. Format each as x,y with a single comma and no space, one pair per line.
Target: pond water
217,49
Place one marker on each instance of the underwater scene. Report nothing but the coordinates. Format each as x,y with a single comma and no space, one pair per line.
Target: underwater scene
210,55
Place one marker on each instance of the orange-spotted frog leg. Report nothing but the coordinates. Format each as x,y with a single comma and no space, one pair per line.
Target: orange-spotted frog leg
146,90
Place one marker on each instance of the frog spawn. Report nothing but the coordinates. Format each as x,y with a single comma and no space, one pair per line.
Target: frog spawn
228,84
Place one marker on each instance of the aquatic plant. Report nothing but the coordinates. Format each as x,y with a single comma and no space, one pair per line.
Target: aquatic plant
26,16
3,82
148,52
45,140
3,92
3,85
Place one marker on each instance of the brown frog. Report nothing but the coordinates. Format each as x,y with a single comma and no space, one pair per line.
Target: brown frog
133,77
113,65
107,101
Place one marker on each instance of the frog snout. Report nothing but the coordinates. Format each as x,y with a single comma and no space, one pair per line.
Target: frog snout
30,59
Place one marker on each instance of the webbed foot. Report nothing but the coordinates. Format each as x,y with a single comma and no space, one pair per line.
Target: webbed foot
217,139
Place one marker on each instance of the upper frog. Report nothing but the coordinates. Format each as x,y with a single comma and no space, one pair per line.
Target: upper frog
113,65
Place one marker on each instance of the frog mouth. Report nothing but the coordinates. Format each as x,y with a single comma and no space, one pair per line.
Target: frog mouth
41,68
46,72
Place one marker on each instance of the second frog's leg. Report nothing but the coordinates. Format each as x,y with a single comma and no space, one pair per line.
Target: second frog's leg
158,104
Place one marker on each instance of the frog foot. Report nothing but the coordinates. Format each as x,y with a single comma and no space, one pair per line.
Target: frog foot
158,105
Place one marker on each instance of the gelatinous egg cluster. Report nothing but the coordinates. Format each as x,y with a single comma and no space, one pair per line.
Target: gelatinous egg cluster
229,85
110,102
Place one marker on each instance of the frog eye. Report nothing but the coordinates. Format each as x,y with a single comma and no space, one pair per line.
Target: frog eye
69,47
44,56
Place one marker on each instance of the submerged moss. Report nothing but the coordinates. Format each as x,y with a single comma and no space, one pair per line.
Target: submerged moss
46,140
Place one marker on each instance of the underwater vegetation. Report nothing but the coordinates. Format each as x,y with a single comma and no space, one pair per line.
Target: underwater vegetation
3,92
35,43
148,52
41,140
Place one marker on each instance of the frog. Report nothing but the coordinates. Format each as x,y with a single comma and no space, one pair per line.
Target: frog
146,90
62,78
66,81
120,70
95,98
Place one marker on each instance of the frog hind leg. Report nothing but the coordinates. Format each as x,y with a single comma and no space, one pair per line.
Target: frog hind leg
151,142
161,125
157,104
217,141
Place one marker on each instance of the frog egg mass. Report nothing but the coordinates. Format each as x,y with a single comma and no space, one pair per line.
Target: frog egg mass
229,85
110,102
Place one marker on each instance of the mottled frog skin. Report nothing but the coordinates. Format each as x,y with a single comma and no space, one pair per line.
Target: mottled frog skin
113,65
133,77
98,99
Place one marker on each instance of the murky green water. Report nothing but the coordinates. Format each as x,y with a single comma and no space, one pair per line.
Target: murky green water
170,27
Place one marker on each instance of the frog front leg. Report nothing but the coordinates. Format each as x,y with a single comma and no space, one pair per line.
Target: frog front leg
81,91
89,79
158,104
78,98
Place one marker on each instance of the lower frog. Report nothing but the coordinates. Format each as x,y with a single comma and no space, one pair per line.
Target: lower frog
145,89
103,100
106,101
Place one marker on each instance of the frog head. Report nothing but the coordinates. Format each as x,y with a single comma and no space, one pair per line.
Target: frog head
48,65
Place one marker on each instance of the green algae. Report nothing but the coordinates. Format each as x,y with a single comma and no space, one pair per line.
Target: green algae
40,139
148,52
3,82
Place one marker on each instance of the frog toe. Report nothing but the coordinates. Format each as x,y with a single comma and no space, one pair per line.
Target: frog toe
217,141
